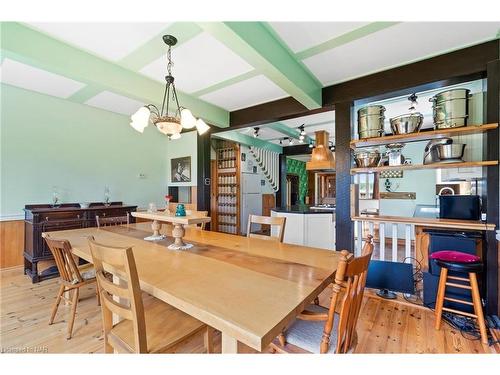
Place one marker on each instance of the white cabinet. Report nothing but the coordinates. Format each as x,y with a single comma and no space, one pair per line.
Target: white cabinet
314,230
294,227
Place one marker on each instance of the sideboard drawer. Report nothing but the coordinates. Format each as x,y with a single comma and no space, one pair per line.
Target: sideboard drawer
62,216
112,212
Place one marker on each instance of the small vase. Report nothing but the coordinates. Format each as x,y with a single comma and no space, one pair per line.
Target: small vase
167,206
180,211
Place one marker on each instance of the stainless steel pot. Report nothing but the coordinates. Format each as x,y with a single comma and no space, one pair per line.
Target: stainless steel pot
450,153
450,108
367,158
406,124
371,121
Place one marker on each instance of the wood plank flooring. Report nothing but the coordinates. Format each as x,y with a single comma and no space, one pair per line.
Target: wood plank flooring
383,327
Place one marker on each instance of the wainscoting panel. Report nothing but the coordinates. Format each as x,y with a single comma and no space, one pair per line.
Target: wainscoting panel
11,243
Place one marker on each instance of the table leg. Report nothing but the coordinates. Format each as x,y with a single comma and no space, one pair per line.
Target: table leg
178,233
156,226
229,344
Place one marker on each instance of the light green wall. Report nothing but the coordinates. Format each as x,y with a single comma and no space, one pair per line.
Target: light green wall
46,141
422,182
185,146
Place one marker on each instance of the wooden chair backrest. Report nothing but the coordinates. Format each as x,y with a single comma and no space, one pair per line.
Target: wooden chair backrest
267,220
119,261
64,258
350,279
197,213
114,220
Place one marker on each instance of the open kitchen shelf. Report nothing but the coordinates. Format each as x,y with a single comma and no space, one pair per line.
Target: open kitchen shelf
421,136
407,167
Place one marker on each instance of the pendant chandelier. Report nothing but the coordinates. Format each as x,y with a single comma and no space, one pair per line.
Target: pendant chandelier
166,122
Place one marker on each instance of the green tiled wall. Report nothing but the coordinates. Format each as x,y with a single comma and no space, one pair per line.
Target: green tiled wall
299,168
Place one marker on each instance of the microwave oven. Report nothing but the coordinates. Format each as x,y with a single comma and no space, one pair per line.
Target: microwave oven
463,207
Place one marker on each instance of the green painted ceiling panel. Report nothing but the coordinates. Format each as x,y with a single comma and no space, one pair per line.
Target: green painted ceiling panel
253,42
28,46
155,47
345,38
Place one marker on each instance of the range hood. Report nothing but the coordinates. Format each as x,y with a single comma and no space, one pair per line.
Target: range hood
322,158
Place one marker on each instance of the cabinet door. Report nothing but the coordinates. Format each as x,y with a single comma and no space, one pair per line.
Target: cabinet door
294,228
319,231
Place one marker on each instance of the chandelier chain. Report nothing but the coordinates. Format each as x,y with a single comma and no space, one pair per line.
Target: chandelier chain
169,60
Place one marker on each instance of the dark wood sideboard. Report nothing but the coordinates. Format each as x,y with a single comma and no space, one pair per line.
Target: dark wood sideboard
40,218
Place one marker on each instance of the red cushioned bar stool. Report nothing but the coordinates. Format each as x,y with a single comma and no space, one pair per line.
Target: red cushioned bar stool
465,263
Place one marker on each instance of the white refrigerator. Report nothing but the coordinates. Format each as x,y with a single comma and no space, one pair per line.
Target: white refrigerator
251,198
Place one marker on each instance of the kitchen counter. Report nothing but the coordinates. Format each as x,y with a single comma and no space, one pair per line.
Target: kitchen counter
430,222
303,209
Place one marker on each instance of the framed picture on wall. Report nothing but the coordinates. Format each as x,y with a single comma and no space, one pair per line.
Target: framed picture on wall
181,169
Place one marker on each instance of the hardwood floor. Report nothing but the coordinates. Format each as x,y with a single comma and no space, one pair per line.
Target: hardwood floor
383,327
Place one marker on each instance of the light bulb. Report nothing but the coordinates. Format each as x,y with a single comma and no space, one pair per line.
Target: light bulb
140,119
188,121
175,136
301,137
201,126
311,145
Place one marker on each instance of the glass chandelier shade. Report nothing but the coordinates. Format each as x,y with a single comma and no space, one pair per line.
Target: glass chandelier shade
168,121
140,119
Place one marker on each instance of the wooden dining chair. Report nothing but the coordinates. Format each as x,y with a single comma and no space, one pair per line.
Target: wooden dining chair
151,327
278,222
103,221
324,330
367,249
73,277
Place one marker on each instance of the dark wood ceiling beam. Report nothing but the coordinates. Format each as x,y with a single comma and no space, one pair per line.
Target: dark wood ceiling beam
277,110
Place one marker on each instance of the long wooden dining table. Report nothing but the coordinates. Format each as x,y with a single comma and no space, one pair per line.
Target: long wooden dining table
249,289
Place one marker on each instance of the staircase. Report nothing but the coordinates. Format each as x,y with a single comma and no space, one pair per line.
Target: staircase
268,161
